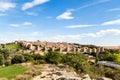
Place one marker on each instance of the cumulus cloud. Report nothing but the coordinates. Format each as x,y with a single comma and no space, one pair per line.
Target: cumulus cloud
113,22
33,3
4,6
66,15
78,26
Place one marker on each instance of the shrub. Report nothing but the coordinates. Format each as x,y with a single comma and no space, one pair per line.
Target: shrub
112,73
37,57
113,57
18,59
75,60
5,53
1,59
28,57
53,57
7,63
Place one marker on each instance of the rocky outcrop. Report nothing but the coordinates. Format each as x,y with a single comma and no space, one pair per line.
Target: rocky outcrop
60,72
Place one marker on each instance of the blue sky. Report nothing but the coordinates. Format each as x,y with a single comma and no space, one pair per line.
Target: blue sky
79,21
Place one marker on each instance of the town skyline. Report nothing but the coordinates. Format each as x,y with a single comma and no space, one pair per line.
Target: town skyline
95,22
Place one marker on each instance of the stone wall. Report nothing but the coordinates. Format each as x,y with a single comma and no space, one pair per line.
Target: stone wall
61,47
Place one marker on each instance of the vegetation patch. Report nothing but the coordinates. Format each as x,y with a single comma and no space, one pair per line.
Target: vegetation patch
12,71
13,46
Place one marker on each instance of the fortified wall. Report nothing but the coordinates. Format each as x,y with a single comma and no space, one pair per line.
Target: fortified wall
62,47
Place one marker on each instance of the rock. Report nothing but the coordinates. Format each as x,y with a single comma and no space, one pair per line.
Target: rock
62,78
53,72
86,77
105,78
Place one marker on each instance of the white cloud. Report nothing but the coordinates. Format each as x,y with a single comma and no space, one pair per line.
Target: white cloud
4,6
14,25
78,26
103,33
37,35
92,4
32,13
31,36
66,15
33,3
25,24
113,22
78,37
67,37
114,9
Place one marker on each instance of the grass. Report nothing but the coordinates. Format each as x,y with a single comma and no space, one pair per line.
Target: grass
12,71
13,46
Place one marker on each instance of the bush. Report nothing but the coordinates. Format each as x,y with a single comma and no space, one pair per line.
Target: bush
1,59
7,63
112,73
37,57
28,57
18,59
5,53
113,57
53,57
76,60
